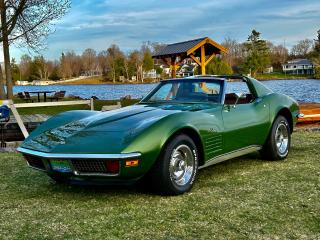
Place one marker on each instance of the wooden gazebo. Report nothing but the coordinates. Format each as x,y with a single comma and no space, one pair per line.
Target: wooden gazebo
201,50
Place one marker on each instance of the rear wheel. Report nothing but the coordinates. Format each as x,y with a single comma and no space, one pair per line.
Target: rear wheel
278,143
175,170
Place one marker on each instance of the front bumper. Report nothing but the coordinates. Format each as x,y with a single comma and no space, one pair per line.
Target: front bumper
83,166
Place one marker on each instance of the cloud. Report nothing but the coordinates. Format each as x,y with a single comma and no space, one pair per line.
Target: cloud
97,24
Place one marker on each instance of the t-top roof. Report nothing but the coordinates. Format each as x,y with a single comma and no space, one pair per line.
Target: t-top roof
182,48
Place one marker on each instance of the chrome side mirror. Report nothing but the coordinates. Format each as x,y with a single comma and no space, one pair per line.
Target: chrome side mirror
240,95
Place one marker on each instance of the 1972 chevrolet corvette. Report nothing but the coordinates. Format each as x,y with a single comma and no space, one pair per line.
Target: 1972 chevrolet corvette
179,127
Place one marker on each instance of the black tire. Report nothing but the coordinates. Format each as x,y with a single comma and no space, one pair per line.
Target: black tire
163,181
272,151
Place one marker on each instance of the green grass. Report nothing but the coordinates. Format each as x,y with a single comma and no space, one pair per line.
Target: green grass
55,110
244,198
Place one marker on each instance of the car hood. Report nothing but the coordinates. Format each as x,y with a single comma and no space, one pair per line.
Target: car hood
112,126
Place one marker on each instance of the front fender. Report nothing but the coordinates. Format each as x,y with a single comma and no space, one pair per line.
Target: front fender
151,141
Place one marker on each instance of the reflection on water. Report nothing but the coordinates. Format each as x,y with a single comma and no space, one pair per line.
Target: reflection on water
301,90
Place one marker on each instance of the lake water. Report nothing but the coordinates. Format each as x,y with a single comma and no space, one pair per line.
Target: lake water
301,90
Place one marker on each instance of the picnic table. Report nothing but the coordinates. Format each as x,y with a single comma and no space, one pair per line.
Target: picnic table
41,92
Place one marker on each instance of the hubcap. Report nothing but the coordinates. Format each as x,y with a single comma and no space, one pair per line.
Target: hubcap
282,138
181,165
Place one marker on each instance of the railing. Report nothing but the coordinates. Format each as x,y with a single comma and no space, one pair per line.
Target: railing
15,113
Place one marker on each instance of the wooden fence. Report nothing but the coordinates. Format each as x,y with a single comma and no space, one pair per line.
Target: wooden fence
15,113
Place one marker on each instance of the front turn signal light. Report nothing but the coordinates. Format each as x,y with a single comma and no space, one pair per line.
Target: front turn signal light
132,163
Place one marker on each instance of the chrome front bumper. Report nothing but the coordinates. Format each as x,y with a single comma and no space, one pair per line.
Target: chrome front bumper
79,155
45,157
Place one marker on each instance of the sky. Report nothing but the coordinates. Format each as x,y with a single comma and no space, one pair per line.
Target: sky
128,23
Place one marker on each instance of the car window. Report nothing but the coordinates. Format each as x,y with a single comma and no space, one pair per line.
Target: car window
234,89
187,91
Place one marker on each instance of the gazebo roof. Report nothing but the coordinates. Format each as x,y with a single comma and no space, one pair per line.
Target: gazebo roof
186,48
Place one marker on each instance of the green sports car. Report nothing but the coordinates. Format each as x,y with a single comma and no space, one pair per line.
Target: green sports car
181,126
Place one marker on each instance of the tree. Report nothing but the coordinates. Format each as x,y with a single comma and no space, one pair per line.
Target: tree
257,53
27,23
235,55
217,66
102,62
54,75
44,67
70,65
315,55
24,66
278,55
302,48
136,62
114,62
89,60
147,62
15,70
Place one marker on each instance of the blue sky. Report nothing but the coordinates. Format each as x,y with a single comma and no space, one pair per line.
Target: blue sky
98,23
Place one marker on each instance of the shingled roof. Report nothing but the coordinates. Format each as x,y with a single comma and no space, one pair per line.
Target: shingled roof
182,48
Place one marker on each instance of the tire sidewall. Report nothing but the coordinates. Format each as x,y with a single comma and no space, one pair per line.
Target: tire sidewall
275,149
169,150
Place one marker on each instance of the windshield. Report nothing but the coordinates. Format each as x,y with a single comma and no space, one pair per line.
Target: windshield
186,90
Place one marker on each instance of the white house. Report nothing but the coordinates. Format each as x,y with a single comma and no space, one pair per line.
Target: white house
186,70
298,66
22,83
150,74
42,83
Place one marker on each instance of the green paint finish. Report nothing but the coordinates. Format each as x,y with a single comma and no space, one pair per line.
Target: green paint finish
146,128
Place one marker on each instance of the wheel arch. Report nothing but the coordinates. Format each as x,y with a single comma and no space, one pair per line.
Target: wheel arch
285,112
194,135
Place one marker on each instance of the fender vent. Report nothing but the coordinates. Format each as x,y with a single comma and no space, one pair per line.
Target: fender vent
213,144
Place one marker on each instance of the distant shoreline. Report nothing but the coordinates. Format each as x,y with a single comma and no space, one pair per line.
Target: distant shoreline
138,83
148,82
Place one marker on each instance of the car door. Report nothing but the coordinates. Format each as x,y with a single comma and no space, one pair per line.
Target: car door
245,123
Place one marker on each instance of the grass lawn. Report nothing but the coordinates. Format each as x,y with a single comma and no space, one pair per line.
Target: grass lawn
244,198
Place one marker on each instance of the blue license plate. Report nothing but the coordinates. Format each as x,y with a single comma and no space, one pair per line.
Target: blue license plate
61,166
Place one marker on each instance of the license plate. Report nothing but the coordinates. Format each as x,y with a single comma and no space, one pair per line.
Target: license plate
60,166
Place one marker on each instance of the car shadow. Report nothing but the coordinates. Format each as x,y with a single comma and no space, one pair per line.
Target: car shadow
40,184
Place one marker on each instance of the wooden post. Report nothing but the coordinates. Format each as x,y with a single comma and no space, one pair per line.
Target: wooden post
18,119
203,60
91,104
174,67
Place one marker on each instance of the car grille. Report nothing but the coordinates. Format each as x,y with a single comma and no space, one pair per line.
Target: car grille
35,162
92,166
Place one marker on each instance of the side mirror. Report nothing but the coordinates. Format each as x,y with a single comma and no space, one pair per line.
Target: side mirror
240,95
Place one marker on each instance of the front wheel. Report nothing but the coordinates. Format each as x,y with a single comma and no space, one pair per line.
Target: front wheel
175,170
278,143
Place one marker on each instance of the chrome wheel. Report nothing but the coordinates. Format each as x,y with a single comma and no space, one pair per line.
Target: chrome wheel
182,165
282,138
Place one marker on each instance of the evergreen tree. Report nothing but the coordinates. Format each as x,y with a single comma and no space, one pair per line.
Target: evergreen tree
217,66
147,60
257,54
